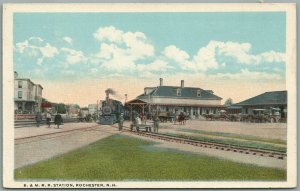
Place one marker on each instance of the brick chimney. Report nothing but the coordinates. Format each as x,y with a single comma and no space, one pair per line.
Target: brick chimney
182,83
160,82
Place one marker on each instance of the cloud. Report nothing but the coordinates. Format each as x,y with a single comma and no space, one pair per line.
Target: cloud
246,75
36,47
156,66
208,57
110,34
131,53
272,56
120,50
48,51
21,46
68,40
205,58
172,52
106,51
73,56
241,53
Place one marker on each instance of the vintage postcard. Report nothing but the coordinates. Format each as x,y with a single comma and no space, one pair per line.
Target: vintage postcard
149,95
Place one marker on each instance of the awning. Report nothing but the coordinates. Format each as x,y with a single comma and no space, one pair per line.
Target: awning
46,105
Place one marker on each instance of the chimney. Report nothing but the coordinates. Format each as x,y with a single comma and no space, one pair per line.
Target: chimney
160,82
15,74
182,83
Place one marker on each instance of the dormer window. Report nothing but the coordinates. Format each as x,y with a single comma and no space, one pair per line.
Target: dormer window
198,93
178,92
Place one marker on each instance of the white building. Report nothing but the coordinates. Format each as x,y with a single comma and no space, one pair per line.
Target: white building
192,100
27,95
92,108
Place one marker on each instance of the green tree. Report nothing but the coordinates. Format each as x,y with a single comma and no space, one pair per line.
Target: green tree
228,102
61,108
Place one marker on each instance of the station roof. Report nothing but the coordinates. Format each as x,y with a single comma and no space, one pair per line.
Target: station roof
186,92
267,98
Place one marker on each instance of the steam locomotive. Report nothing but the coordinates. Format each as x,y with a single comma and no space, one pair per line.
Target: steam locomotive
111,111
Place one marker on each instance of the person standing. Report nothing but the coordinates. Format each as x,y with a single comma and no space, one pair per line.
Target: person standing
38,119
156,123
48,119
121,120
58,120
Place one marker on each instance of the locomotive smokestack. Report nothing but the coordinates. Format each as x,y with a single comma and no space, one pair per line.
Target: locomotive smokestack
109,91
182,83
160,82
107,96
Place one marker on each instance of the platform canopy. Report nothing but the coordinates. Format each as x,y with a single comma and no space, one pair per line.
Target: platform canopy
136,102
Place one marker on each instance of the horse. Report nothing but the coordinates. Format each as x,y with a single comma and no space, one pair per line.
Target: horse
180,118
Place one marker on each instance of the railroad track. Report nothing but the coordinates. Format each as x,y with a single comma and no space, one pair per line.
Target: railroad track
218,146
51,135
197,143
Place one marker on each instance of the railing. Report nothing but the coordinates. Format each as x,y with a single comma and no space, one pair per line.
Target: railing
31,122
24,116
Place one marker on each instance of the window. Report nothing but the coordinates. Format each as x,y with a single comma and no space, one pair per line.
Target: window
20,84
20,94
178,92
198,93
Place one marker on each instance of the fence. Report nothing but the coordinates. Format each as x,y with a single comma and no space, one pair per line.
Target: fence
27,122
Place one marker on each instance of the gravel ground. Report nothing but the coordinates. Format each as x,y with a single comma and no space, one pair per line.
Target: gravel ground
33,131
263,130
32,152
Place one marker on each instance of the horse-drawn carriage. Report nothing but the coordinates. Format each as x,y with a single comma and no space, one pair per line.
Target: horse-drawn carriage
221,116
271,115
166,116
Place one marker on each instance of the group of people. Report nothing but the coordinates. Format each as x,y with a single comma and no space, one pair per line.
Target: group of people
57,119
142,117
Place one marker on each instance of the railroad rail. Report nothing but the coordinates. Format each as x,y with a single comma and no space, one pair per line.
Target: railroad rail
51,135
212,145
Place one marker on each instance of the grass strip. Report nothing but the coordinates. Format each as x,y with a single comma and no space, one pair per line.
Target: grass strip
123,158
233,135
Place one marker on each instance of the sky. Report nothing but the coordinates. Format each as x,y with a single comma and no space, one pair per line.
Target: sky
76,56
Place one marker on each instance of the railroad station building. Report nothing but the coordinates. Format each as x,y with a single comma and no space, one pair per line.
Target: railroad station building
267,100
27,95
192,100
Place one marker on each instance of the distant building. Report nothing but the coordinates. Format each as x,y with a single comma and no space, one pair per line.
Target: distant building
92,108
27,95
192,100
84,112
73,109
267,100
233,109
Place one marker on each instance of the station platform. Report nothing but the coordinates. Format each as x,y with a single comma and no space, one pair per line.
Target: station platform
44,129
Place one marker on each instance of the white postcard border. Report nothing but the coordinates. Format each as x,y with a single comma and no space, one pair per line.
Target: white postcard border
8,84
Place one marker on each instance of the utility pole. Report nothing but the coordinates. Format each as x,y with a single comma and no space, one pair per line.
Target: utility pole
125,99
97,111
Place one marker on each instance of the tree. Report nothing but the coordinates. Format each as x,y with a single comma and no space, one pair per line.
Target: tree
228,102
75,106
61,108
84,108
